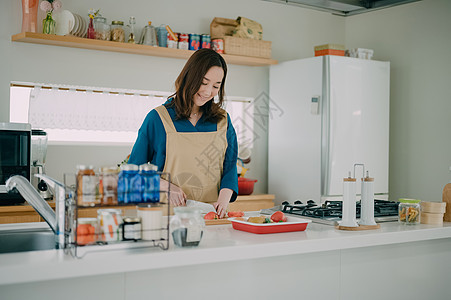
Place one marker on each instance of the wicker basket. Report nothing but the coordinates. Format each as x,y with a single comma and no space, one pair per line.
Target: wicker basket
247,47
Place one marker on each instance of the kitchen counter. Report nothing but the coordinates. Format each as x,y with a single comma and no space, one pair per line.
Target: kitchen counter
223,246
25,213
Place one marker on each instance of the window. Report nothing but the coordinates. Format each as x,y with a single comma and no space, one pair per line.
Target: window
74,114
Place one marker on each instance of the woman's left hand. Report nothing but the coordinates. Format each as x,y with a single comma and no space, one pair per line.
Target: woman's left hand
223,202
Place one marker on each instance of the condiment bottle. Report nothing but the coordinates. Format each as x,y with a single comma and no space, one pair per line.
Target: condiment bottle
117,31
86,186
131,35
349,203
131,229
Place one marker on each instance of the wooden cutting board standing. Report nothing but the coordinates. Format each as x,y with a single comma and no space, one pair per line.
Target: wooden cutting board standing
217,222
447,199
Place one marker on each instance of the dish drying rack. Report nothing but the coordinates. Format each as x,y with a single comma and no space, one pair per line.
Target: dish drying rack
72,237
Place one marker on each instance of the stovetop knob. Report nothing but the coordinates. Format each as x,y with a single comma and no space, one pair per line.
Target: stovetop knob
285,203
298,202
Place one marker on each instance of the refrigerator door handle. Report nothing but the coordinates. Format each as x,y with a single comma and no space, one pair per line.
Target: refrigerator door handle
325,129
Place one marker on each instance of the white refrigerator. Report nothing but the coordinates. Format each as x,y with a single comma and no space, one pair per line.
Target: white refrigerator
334,113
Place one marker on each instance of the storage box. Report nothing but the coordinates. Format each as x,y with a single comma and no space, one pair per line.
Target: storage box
247,47
361,53
221,27
330,49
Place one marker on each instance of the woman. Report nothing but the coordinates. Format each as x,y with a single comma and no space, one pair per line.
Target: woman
191,136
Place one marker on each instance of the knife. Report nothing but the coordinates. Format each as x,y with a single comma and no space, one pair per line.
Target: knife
204,207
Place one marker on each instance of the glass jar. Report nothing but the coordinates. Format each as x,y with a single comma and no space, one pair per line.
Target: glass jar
409,211
129,184
108,185
150,183
131,229
151,221
117,31
86,186
110,221
101,28
187,226
87,230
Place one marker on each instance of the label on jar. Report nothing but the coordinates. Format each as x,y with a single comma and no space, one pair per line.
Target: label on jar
194,233
132,231
88,189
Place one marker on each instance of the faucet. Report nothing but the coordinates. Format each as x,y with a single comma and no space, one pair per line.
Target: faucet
56,219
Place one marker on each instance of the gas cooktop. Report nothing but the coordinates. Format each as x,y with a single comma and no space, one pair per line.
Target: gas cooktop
329,213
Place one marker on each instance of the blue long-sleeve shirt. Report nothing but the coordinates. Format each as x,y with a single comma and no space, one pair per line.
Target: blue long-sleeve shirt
150,146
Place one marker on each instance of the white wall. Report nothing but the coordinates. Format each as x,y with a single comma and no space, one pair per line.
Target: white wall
293,31
416,38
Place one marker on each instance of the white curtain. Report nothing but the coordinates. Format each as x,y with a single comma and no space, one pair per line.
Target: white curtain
71,109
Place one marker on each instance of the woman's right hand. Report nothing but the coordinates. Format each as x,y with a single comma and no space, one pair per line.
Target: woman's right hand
177,196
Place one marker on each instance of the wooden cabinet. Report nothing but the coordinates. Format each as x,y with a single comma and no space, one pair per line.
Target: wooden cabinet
25,213
77,42
18,214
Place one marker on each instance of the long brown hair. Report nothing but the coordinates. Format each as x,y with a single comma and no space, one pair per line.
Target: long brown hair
189,81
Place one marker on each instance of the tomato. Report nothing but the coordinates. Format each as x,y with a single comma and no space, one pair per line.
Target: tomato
211,216
278,216
236,214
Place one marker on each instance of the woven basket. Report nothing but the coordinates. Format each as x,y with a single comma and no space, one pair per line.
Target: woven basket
247,47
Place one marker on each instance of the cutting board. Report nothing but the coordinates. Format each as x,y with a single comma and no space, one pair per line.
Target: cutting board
358,228
447,199
217,222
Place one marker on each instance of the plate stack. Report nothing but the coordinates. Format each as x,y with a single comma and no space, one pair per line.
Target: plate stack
432,212
80,28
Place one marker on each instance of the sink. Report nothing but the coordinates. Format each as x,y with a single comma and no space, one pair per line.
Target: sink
26,239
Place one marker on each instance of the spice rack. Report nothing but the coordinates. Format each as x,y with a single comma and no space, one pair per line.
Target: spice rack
77,42
79,240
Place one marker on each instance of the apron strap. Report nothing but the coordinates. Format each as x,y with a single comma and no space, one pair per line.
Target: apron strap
222,124
166,119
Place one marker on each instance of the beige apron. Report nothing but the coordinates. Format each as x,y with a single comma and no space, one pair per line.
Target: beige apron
195,160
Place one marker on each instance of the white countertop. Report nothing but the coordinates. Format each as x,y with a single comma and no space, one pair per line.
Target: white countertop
220,243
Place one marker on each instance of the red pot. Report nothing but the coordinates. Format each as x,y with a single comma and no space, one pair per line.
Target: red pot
245,186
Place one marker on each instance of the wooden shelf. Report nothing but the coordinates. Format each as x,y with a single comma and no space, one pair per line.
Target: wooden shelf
77,42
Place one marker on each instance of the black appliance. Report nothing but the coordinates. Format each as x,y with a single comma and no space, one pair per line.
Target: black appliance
15,158
330,212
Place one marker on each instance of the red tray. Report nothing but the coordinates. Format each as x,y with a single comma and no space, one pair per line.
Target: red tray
292,224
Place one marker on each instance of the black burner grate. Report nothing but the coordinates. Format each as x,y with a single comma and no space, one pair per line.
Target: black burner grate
382,208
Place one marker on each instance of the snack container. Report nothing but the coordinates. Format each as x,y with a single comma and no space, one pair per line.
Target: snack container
292,224
110,221
87,229
409,211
